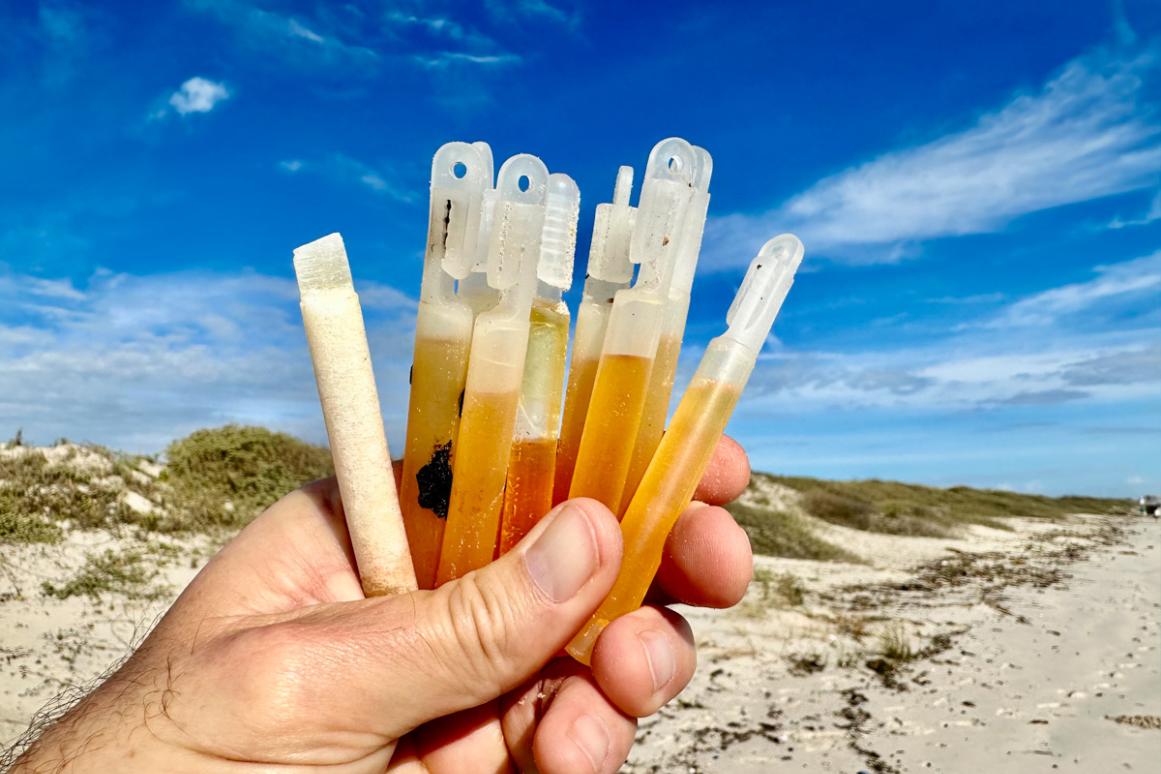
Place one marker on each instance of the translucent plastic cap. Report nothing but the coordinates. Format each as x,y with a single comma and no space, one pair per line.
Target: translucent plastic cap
612,232
674,166
558,240
459,175
763,290
514,249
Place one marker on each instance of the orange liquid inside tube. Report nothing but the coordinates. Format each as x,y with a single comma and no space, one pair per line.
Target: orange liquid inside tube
479,468
665,491
654,414
581,376
528,495
614,415
532,465
433,415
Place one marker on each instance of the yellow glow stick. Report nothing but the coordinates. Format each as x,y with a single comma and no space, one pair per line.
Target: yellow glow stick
608,271
495,371
635,325
688,445
460,174
528,492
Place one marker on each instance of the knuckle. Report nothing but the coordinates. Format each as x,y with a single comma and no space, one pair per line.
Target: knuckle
482,627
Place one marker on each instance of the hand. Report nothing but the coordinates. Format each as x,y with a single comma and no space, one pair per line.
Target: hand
273,660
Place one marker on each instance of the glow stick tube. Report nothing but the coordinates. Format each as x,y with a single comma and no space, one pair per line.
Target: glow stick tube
608,271
664,371
528,492
688,445
495,372
630,346
443,336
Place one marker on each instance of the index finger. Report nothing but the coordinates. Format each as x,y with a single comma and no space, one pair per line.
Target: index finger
727,476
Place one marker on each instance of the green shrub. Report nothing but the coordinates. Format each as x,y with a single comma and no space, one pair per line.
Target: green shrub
225,476
779,533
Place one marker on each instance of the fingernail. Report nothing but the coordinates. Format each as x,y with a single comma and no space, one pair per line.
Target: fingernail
659,655
588,732
565,556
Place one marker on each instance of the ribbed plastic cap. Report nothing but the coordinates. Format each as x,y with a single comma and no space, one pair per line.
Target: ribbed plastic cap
612,233
459,175
763,290
322,264
558,240
521,191
665,194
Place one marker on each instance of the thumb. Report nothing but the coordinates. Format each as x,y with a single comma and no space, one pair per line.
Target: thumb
477,637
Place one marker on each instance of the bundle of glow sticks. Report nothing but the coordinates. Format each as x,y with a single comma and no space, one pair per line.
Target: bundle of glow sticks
495,438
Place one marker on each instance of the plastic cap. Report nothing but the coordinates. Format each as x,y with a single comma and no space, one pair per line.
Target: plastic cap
665,192
322,264
693,225
521,191
459,175
763,290
612,233
558,240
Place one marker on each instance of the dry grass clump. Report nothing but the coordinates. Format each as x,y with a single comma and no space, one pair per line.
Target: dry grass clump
781,588
124,573
223,477
782,533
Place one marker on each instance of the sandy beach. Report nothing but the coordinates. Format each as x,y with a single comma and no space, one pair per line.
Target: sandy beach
1037,651
1027,644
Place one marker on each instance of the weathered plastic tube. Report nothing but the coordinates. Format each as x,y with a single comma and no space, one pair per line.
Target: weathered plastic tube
528,492
664,371
495,372
443,335
687,447
609,270
634,329
337,337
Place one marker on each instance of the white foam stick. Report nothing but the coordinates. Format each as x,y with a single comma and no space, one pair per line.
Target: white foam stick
350,403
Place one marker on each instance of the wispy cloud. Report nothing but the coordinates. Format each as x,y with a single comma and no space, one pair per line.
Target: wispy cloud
512,11
344,169
1122,282
134,361
295,39
1089,132
443,59
1151,215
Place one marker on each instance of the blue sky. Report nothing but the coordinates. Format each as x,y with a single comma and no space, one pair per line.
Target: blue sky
978,187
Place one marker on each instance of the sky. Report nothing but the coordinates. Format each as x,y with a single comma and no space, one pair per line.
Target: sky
978,186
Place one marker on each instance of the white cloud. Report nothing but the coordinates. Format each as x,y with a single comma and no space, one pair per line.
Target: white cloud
1118,282
1066,344
135,361
198,95
345,169
1089,132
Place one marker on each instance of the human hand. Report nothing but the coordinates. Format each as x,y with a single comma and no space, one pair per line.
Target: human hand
273,660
